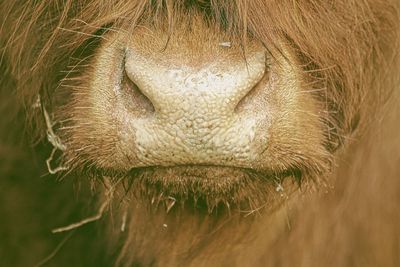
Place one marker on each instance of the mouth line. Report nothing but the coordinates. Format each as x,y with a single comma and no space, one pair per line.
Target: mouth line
205,187
208,188
217,172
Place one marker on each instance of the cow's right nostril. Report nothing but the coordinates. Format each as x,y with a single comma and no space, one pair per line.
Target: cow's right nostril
137,101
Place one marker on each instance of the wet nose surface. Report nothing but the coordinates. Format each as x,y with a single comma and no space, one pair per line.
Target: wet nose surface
194,119
199,92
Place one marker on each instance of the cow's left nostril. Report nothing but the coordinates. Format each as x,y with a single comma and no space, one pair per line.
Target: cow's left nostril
255,92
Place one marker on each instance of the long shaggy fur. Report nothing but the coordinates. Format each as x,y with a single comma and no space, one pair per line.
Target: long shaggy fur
349,49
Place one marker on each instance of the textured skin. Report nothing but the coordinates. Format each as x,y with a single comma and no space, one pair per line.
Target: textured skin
194,120
161,111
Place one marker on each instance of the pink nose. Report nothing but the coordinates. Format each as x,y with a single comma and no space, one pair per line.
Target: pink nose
194,93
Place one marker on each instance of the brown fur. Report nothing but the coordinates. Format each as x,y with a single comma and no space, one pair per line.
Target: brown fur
347,48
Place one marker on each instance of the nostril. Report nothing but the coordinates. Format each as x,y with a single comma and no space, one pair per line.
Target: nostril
135,99
255,92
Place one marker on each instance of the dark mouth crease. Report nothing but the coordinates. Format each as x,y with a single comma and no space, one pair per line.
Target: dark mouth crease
204,167
256,173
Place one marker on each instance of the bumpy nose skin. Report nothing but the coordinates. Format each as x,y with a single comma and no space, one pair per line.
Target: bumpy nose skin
194,120
209,90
